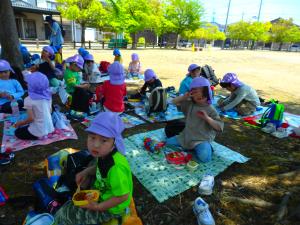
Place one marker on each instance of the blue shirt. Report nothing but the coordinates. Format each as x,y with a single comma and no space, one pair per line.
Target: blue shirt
12,87
185,85
56,37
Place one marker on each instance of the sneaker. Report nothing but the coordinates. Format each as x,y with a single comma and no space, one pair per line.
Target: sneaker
280,133
4,159
269,128
202,212
206,185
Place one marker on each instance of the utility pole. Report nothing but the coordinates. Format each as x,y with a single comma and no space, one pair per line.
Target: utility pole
243,16
229,2
258,17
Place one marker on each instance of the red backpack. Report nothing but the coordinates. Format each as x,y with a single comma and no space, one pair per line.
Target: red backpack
103,67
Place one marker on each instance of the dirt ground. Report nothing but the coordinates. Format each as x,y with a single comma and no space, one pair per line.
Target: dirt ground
272,171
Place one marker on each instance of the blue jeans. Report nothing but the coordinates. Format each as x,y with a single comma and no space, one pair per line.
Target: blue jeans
203,150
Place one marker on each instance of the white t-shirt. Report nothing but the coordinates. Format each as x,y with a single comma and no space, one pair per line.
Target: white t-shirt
42,123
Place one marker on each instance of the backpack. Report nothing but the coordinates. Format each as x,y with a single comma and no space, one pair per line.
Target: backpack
208,73
273,114
44,218
157,101
103,67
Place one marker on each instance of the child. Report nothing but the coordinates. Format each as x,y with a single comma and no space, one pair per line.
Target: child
90,70
47,66
38,107
10,89
134,67
193,71
111,173
243,98
202,120
81,96
114,90
58,57
117,55
151,82
71,75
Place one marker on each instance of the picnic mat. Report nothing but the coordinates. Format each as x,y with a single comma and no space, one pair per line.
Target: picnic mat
163,180
232,113
171,114
12,143
128,120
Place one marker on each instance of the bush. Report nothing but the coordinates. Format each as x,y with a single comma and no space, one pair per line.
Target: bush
141,40
128,38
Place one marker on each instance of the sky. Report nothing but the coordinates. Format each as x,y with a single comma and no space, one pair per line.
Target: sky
248,10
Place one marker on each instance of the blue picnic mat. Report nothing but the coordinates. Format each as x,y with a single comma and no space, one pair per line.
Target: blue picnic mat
164,180
232,113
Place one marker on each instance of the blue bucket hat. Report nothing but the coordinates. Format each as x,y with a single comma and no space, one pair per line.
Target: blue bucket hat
116,52
5,66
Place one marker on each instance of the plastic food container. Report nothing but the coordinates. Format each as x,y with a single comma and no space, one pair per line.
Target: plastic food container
192,165
83,197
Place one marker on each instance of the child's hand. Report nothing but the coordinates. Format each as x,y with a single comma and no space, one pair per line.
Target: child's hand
187,94
93,206
80,177
18,124
203,115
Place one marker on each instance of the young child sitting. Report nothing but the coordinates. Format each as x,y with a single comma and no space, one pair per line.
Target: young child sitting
243,98
114,90
134,68
38,107
111,174
202,120
71,75
117,55
193,71
90,70
81,96
10,89
47,66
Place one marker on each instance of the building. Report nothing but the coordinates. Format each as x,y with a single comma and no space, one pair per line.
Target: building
30,19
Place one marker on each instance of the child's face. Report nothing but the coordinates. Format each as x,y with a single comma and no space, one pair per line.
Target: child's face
99,146
45,54
89,63
195,73
197,96
4,75
33,68
150,81
231,88
73,67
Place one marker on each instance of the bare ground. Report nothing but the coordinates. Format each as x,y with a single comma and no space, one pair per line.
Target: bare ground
274,74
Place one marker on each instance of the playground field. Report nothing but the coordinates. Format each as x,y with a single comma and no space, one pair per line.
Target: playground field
271,172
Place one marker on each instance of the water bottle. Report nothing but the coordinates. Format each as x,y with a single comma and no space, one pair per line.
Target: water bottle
15,109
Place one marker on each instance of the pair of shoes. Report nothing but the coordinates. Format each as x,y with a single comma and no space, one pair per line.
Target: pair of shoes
269,128
202,212
280,133
206,185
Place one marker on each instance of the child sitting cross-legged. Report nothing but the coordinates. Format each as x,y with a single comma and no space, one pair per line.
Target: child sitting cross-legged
38,106
134,68
242,98
202,120
111,174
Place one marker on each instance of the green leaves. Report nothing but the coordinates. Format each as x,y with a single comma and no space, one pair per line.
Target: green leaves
285,31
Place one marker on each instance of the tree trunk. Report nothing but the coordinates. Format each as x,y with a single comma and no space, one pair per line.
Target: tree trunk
82,35
280,46
134,40
177,40
9,39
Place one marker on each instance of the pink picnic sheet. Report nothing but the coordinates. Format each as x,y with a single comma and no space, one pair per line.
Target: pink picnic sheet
12,143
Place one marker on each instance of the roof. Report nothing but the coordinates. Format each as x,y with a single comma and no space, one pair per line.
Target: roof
24,6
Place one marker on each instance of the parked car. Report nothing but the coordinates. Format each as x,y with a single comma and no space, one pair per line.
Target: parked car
295,48
185,43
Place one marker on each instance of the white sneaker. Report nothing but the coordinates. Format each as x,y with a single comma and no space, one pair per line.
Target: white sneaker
202,212
269,128
281,133
206,185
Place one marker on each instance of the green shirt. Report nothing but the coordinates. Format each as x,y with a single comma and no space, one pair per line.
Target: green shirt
71,79
113,179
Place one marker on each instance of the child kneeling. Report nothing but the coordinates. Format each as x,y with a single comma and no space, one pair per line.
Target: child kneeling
112,173
242,98
202,120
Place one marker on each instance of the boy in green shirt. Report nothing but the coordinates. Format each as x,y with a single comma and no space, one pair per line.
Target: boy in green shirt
71,75
112,172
